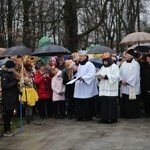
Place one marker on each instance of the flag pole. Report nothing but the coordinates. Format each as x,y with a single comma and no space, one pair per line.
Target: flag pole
21,83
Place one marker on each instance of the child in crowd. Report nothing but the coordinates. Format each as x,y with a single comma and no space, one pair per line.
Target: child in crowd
58,93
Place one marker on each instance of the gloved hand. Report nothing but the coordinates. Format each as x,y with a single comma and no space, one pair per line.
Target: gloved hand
61,93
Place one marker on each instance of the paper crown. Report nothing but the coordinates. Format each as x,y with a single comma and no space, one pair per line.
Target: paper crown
83,52
106,55
75,56
69,64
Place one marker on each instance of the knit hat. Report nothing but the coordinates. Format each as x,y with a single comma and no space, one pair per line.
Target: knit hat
130,51
10,64
69,64
75,56
39,64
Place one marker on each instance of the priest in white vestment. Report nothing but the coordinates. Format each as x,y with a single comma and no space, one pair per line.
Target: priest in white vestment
85,88
130,86
108,89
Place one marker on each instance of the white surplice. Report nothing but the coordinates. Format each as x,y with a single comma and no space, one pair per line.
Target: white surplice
88,87
109,87
130,72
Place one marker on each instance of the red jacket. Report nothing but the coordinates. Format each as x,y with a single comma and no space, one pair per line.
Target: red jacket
43,85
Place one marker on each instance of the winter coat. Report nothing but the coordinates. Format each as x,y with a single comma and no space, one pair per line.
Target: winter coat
145,76
58,87
43,85
69,88
10,91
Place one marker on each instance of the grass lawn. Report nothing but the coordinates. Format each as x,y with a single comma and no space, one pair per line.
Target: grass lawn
15,123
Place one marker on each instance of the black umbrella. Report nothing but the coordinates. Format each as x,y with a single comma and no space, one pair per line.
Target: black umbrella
101,50
97,62
141,47
12,51
3,61
50,50
16,50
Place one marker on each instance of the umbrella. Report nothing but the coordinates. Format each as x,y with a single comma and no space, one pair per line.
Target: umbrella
16,50
97,62
136,38
3,61
100,50
141,47
2,50
50,50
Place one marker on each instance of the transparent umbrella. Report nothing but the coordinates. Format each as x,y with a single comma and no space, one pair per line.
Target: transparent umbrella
101,50
136,38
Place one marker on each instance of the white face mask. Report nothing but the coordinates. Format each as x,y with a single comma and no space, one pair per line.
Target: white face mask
60,77
11,70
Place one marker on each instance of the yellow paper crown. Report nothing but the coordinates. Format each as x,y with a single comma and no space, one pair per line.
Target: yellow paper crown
105,55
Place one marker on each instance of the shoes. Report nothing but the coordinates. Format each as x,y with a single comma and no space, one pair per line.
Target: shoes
59,117
70,116
97,116
88,119
43,117
107,121
9,133
102,121
28,120
62,116
112,121
79,119
50,116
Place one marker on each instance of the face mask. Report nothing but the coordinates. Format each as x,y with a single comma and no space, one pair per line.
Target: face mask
11,70
60,77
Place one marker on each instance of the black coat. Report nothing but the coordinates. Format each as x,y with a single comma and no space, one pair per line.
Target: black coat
10,91
145,76
69,88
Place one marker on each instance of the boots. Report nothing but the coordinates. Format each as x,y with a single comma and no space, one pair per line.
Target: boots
28,119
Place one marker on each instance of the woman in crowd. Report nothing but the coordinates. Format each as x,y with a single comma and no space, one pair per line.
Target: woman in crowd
42,79
10,95
29,94
58,94
68,76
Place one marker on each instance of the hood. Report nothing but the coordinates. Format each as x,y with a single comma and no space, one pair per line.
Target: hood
44,41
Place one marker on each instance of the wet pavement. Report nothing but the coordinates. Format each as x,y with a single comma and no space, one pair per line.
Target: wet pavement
65,134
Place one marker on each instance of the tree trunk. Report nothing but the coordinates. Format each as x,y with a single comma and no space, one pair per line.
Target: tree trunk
71,38
26,24
9,23
2,26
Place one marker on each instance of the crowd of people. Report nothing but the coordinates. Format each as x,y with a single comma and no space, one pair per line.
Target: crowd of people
72,88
